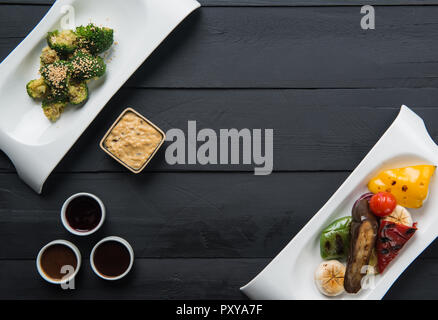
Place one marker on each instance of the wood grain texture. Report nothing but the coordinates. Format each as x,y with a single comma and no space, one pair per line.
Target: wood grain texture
149,279
169,214
182,279
223,215
304,47
270,3
314,130
201,232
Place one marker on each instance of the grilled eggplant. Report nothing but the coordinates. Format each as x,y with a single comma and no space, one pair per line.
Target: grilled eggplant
363,232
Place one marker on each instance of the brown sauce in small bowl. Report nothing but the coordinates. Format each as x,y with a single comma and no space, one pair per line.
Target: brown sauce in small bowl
111,259
83,214
54,258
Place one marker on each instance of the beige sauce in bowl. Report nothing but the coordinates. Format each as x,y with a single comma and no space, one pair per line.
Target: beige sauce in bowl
133,140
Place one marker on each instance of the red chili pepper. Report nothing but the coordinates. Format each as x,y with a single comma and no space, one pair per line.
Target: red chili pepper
392,237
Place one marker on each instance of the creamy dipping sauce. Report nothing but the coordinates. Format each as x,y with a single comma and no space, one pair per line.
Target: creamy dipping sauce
133,140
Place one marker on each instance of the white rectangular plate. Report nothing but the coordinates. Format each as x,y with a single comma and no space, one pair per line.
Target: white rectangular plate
290,274
34,144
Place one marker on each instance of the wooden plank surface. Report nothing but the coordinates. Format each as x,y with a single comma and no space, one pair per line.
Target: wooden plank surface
182,279
273,3
172,214
303,68
304,47
314,130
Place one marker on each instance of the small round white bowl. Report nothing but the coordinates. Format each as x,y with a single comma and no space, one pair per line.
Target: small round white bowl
64,218
131,254
78,258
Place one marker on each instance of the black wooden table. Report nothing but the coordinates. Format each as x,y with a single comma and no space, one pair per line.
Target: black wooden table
303,67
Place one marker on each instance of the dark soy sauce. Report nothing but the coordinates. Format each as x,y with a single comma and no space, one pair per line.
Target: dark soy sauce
111,259
83,214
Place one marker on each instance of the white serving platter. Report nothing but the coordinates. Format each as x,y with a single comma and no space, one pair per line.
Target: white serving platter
34,144
291,274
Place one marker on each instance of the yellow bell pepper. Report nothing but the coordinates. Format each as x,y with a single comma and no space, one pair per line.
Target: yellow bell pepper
409,185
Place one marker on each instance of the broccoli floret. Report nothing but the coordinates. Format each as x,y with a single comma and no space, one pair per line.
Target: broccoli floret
49,56
67,64
53,109
95,39
63,42
77,92
57,76
84,66
37,89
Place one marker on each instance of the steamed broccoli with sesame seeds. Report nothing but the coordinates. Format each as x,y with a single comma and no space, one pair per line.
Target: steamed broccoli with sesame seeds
63,42
49,56
85,66
57,76
53,109
67,64
37,89
94,39
77,92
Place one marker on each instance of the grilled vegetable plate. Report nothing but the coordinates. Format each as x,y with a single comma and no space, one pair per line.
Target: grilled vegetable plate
291,275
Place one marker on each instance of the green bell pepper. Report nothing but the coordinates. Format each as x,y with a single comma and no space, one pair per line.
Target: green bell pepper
335,239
